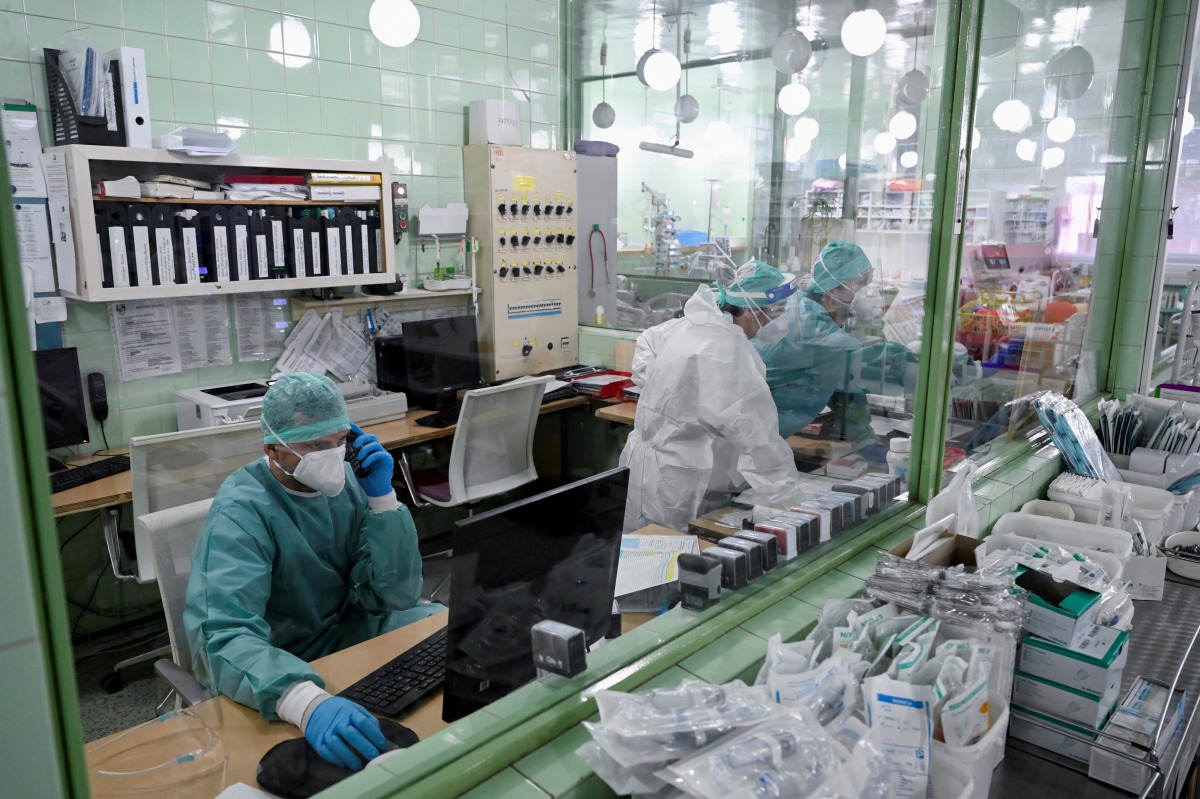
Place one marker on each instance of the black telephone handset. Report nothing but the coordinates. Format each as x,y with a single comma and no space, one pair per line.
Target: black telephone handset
359,470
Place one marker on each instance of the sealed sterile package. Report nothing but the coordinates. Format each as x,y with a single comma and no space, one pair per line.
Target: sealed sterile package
828,690
964,715
789,756
900,716
793,658
622,779
1072,433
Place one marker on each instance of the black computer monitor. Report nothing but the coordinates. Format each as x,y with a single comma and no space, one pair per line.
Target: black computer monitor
431,361
64,412
552,556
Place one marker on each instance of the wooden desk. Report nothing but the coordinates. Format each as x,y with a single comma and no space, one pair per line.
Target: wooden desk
623,412
118,489
247,737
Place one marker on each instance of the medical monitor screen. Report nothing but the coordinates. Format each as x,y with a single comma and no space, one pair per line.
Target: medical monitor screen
553,556
64,412
430,359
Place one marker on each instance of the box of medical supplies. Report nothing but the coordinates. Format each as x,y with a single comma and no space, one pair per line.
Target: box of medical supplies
1089,665
948,550
1052,734
1063,622
1068,704
1133,726
494,122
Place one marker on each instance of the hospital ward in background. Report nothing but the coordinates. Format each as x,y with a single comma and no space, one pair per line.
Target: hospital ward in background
756,398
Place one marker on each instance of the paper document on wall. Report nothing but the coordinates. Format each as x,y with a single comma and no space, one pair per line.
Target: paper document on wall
202,328
649,560
24,147
62,238
340,347
33,243
295,358
262,326
391,323
145,336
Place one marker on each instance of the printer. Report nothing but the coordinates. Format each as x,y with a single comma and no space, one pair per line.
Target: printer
239,402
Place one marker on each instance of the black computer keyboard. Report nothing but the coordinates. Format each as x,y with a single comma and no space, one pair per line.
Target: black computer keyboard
402,682
88,473
443,418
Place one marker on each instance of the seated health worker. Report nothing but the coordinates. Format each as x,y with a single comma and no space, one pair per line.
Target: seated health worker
705,419
298,558
810,367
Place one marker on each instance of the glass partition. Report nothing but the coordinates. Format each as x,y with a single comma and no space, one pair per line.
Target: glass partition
1053,128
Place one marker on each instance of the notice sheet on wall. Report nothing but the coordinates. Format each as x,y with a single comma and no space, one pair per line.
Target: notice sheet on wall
262,323
202,329
145,336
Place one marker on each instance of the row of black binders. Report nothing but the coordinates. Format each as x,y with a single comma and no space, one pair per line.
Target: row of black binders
155,244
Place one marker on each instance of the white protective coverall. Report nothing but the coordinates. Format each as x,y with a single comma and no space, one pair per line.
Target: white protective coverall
705,419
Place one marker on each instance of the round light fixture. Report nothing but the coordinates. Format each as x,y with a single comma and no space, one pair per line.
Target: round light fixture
863,32
884,143
1052,157
794,99
658,69
395,23
1002,20
842,161
1060,129
796,149
1011,115
914,86
1026,149
975,138
603,115
719,134
791,52
902,125
1070,72
687,108
806,128
908,160
1189,122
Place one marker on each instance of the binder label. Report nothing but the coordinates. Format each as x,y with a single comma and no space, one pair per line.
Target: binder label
362,266
298,251
277,239
261,245
191,255
316,253
241,253
120,257
141,255
350,265
221,252
166,255
336,265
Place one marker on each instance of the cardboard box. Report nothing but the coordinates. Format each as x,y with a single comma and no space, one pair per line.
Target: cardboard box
494,122
1089,665
1134,722
1065,621
1054,736
950,550
1068,704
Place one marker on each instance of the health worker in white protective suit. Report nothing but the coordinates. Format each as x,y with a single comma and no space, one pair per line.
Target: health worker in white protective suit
706,420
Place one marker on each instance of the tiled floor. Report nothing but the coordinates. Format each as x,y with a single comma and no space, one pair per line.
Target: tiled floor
103,713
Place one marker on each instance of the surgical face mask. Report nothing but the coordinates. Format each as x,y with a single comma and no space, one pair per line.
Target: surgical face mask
773,331
866,304
323,470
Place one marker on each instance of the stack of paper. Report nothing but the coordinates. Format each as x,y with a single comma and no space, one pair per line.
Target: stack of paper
197,142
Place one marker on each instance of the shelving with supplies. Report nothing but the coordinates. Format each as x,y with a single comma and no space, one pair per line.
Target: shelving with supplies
269,244
898,211
1027,220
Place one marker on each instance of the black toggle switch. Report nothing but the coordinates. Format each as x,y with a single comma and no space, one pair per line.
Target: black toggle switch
524,210
560,268
537,210
526,349
537,270
502,209
561,238
525,269
558,210
537,240
570,209
502,241
504,271
570,239
524,241
512,240
512,209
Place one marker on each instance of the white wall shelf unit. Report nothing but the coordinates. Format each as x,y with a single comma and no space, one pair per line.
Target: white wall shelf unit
90,164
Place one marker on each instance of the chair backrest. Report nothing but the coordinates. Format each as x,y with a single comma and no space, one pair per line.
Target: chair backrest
172,534
493,444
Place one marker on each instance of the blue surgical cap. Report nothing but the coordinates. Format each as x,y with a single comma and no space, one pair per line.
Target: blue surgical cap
757,283
302,407
839,263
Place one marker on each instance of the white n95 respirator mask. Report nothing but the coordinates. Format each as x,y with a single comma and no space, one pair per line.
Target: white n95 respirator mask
322,471
773,331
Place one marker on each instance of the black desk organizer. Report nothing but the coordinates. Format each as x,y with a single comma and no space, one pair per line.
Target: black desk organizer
69,126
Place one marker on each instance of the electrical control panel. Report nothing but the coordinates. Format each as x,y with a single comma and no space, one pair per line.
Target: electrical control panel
522,211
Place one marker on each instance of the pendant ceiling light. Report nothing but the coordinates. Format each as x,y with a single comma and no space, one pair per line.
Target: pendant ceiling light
604,115
687,107
863,32
1069,74
791,52
909,159
395,23
658,69
1026,149
794,99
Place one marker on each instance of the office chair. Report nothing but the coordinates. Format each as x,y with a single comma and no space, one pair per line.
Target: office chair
172,534
492,450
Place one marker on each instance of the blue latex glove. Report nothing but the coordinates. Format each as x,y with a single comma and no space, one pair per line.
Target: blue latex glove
344,733
377,460
874,452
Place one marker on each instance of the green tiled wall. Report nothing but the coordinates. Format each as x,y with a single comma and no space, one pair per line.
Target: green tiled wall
301,78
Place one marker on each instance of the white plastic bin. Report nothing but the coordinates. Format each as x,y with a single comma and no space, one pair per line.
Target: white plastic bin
953,781
1001,540
1069,534
1046,507
1191,512
1151,506
979,759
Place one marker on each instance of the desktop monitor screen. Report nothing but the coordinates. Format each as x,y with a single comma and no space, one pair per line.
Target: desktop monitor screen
552,556
64,413
431,360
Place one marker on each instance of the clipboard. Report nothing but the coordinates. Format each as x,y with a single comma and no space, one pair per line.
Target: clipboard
141,245
163,245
